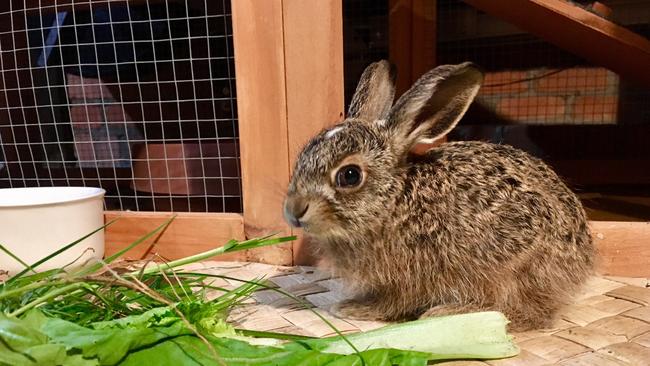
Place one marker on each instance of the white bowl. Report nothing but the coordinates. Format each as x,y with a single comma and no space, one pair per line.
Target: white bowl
35,222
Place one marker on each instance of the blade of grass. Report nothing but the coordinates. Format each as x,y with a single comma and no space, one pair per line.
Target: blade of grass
230,247
32,286
301,302
81,272
54,254
69,290
12,255
48,296
38,276
282,336
95,267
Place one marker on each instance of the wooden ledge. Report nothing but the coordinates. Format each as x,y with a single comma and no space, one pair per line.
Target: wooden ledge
189,233
624,247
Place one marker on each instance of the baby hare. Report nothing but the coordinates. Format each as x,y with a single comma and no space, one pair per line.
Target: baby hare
468,226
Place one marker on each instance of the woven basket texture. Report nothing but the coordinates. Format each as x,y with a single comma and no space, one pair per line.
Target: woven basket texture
608,325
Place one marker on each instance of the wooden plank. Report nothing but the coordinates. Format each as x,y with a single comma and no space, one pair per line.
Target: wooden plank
262,113
411,39
624,247
189,233
399,42
423,38
412,45
578,31
313,33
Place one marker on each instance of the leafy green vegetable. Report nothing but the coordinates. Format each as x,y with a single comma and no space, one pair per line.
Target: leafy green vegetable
107,313
476,335
22,343
190,351
160,337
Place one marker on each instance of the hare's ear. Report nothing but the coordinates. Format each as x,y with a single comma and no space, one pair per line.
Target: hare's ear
434,105
375,92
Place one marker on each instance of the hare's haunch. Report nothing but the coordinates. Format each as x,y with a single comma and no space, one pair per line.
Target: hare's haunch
468,226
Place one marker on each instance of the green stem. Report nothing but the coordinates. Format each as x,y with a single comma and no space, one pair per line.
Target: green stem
31,286
52,255
228,248
274,335
12,255
297,299
97,266
50,295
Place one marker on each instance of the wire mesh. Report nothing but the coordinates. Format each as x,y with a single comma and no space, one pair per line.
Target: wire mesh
529,81
137,98
590,124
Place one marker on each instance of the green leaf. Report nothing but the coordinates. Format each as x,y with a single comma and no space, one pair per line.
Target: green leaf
190,350
471,336
18,335
21,343
109,345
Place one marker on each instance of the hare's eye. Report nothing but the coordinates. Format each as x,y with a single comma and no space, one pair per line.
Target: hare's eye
349,176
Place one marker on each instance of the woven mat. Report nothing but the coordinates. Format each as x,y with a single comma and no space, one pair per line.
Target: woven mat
609,324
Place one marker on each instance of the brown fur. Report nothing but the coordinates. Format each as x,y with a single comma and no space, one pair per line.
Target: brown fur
469,226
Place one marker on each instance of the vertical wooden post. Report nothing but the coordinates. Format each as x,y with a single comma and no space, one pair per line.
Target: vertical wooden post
262,110
313,32
400,15
411,39
412,43
289,71
423,37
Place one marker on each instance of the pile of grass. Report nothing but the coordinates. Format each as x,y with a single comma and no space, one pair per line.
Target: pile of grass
113,312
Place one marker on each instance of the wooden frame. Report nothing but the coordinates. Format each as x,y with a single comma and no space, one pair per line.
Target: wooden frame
289,51
281,47
624,247
289,69
412,39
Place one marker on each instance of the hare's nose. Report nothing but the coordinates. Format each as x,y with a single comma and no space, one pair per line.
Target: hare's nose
295,208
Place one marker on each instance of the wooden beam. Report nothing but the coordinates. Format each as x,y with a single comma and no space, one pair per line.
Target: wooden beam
262,113
411,39
624,248
189,233
412,45
313,41
578,31
423,38
399,41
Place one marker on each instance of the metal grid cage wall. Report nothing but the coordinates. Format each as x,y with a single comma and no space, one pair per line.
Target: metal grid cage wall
586,121
135,97
529,81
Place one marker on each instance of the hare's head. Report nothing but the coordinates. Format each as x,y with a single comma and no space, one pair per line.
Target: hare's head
347,175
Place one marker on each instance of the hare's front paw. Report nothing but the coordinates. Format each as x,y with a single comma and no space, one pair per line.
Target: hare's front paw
357,309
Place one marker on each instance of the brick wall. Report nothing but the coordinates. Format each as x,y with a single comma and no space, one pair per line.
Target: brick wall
572,96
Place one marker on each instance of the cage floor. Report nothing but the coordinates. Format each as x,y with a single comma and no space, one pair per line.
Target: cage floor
609,324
